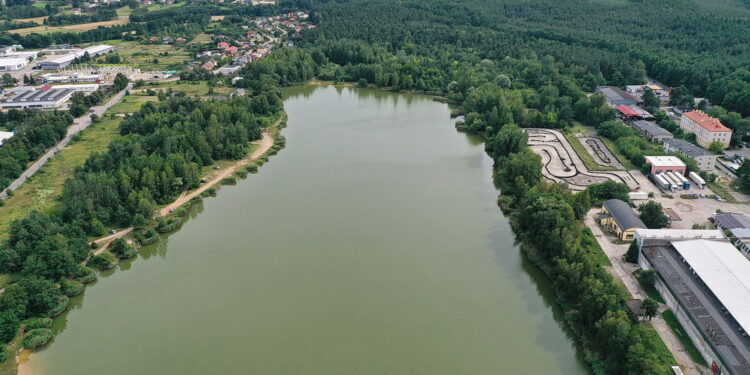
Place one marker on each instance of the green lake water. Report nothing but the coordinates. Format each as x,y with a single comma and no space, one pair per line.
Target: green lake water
371,244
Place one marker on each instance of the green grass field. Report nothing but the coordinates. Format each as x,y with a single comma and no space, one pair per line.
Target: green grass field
41,191
131,103
587,159
149,57
679,331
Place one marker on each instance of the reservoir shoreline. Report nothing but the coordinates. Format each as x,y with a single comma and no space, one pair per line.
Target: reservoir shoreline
458,152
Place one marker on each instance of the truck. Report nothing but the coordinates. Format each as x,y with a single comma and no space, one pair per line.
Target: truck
684,183
662,182
698,180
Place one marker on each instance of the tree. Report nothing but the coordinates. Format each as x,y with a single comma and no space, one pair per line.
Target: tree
608,190
681,98
509,140
525,165
646,277
715,147
653,215
8,80
651,307
632,254
650,101
581,204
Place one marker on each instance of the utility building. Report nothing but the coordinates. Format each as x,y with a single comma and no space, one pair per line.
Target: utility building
615,96
706,160
617,216
653,132
666,164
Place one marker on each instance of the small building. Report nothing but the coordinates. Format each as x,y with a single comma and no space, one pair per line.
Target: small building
653,132
615,96
228,70
617,216
12,63
707,129
706,160
739,227
632,113
4,136
666,164
222,45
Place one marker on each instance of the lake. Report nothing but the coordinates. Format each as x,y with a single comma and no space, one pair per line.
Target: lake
372,244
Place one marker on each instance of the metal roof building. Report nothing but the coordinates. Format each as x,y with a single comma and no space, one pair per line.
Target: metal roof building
619,217
653,132
615,96
706,283
731,220
706,160
50,98
12,63
63,61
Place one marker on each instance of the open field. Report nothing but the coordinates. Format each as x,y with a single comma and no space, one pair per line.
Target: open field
190,88
217,18
150,57
201,38
122,18
131,103
41,191
38,20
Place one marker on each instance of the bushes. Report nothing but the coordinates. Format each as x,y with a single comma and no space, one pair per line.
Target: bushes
36,323
252,169
123,249
36,338
62,305
71,287
103,261
166,225
229,181
85,275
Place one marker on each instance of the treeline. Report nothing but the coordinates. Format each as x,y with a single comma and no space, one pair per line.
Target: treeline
187,22
97,15
36,131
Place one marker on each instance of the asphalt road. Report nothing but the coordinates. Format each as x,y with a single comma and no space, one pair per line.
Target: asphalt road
79,125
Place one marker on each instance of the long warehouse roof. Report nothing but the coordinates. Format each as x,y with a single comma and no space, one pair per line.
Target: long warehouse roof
724,270
70,57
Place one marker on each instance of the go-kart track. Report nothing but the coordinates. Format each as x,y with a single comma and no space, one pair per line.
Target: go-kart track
562,164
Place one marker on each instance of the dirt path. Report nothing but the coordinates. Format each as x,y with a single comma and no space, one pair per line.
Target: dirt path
264,144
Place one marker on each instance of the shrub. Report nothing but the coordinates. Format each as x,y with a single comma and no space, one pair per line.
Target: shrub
123,249
36,323
71,287
166,225
252,169
241,173
3,353
36,338
85,275
62,305
103,261
229,181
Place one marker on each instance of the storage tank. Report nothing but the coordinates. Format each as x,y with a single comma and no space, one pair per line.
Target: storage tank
697,179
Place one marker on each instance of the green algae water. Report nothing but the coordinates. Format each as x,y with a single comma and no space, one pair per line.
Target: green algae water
371,244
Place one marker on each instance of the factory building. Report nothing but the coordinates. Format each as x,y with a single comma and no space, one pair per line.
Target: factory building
36,98
705,281
64,61
617,216
615,96
706,160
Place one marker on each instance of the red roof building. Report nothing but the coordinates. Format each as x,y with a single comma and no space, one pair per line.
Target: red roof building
222,45
634,113
707,129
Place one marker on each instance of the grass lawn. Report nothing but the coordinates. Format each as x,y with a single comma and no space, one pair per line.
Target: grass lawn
589,242
131,103
679,331
41,191
722,190
201,38
616,151
660,349
587,159
38,20
142,56
190,88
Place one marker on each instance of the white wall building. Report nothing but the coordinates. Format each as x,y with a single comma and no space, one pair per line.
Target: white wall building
8,64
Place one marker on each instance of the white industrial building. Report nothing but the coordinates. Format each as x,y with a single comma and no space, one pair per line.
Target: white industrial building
36,98
12,63
705,281
63,61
